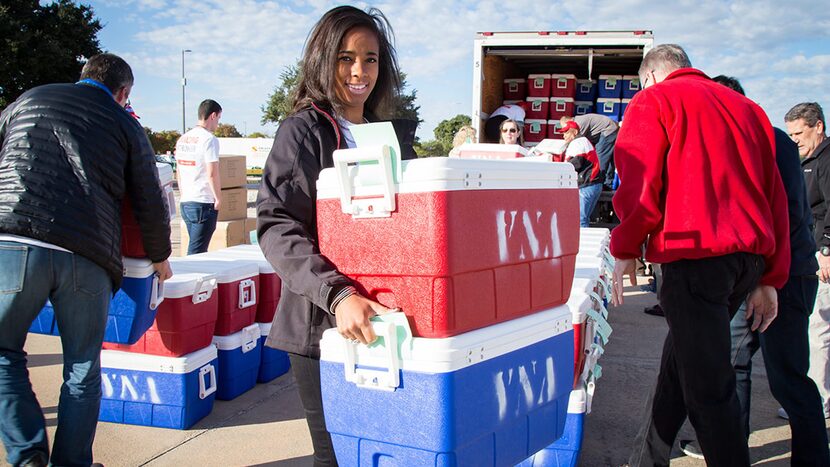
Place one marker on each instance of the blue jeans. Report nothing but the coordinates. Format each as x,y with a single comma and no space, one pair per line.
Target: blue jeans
200,219
80,293
787,358
605,154
588,197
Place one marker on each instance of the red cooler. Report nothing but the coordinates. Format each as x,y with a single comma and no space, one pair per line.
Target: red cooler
491,151
537,108
457,244
515,89
238,283
269,282
553,127
535,130
538,85
131,243
561,107
185,319
563,86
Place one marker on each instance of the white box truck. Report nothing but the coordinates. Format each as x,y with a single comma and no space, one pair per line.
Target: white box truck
516,55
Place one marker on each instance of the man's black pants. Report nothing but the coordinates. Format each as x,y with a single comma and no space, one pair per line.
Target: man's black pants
699,298
306,372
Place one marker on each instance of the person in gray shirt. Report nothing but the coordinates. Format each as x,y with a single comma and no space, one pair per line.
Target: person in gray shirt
601,131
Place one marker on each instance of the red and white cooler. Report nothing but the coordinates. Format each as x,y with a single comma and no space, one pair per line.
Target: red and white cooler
185,319
515,89
238,283
535,130
132,244
553,130
561,107
537,108
538,85
490,151
270,284
563,86
457,244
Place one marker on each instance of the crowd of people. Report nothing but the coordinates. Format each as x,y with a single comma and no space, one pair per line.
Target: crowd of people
708,187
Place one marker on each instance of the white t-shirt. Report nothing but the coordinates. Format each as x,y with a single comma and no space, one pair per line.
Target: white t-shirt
194,150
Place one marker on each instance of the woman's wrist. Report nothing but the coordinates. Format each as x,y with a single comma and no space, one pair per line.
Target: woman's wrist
341,295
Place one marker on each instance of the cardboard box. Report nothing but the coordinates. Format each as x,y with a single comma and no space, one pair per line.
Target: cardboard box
250,226
227,233
232,171
234,204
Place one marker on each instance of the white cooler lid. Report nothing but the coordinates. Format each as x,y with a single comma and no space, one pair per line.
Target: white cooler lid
579,304
609,77
555,76
137,267
609,99
184,284
239,339
165,172
254,256
450,353
264,329
225,270
487,149
452,174
142,362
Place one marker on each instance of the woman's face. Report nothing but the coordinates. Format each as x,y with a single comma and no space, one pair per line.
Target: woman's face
357,71
510,133
570,135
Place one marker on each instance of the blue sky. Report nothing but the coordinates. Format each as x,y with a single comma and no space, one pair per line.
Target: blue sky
780,52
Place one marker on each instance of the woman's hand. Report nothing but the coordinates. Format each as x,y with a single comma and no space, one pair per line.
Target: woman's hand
352,315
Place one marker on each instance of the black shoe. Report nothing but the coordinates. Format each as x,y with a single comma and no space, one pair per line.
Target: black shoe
655,310
691,448
38,459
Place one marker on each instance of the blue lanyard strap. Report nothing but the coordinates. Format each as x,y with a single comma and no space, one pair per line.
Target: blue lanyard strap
97,84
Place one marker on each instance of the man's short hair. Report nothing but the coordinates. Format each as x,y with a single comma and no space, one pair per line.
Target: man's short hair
666,58
207,107
110,70
810,111
730,82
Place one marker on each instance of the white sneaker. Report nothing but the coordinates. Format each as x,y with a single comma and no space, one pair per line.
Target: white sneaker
783,413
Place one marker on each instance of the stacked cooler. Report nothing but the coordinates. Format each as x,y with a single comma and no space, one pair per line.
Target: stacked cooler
588,304
614,92
479,255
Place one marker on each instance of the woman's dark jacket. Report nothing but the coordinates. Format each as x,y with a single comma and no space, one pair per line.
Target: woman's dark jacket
69,154
287,225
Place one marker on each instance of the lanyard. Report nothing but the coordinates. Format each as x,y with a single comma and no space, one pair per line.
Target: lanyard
97,84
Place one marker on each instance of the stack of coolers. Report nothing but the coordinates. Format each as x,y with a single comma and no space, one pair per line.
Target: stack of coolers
614,92
233,226
588,304
479,255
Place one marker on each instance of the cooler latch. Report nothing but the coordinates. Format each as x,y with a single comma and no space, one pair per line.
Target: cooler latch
380,202
251,336
207,372
203,290
247,293
387,380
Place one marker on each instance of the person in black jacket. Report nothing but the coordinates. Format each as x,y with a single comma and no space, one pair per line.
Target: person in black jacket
350,76
69,154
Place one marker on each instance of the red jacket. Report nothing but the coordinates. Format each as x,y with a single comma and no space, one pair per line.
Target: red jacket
698,177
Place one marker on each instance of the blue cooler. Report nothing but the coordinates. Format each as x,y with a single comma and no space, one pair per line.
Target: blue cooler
609,107
493,396
274,362
610,87
166,392
623,106
45,322
565,450
583,107
239,358
586,90
133,308
630,86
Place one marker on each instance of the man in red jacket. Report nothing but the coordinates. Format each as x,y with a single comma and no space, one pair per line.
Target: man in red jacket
700,187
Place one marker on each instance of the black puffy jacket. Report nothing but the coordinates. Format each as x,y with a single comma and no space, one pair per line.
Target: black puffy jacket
68,155
287,225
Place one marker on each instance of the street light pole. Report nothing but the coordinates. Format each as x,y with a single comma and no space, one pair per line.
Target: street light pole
184,83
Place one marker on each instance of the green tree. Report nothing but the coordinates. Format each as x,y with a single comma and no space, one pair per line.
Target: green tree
43,43
163,141
446,130
226,130
279,102
258,134
431,148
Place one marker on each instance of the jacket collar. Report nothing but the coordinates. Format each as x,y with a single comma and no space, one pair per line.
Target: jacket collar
686,72
820,149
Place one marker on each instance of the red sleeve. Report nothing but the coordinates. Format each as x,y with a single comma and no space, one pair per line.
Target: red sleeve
777,270
640,155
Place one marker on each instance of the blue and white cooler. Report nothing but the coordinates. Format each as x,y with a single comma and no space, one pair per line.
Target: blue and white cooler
583,107
133,307
610,107
623,106
488,397
630,86
609,87
166,392
239,358
274,362
586,90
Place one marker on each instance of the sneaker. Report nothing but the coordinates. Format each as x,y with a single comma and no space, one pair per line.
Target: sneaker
655,310
691,448
783,413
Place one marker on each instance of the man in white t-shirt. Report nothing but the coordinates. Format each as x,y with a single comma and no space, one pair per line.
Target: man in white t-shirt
197,162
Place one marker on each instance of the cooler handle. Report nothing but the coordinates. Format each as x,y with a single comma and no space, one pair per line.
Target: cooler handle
251,335
366,207
156,292
207,389
247,293
203,290
375,379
